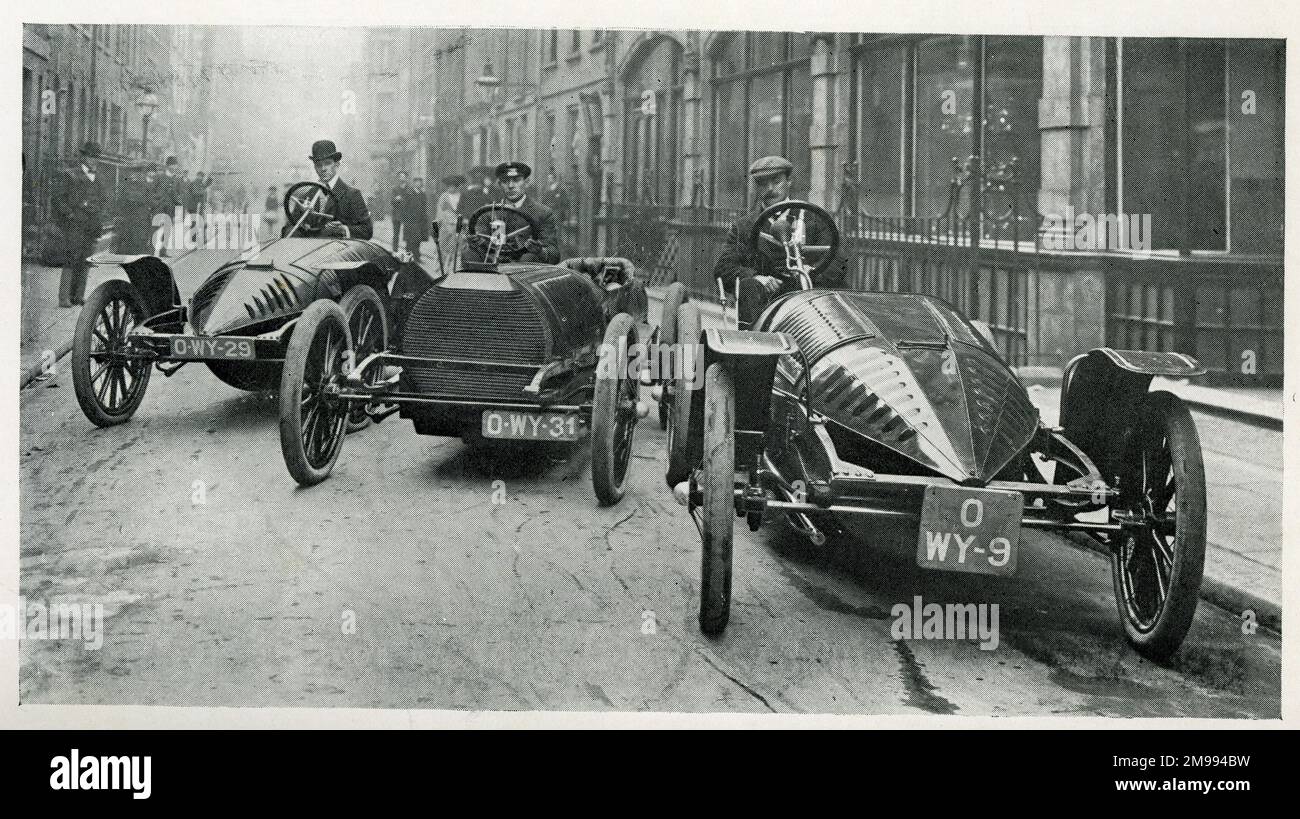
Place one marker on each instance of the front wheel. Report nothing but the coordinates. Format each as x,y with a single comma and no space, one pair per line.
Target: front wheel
109,384
312,418
674,298
683,391
613,413
717,476
368,324
1157,566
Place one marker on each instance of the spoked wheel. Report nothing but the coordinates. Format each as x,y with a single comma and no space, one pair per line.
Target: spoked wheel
674,297
312,418
683,390
717,479
613,415
1157,567
109,385
368,324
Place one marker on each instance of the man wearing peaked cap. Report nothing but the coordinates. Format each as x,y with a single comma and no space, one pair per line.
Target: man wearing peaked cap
759,283
544,247
345,203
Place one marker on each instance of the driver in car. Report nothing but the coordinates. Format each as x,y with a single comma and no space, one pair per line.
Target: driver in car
544,248
351,217
757,271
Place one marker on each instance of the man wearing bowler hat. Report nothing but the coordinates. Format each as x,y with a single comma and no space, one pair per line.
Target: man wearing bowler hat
759,283
544,246
345,203
79,212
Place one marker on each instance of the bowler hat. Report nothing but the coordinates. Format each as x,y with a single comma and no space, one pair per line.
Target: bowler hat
90,149
513,170
769,165
324,149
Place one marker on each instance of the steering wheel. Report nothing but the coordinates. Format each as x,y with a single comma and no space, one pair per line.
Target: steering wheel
302,207
781,233
513,241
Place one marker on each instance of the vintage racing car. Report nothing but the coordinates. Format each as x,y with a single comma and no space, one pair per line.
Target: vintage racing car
238,321
843,404
494,351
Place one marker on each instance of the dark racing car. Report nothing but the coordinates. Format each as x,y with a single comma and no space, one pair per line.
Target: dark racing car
494,351
892,406
233,310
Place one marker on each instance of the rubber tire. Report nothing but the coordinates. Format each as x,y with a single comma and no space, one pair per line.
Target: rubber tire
251,376
1167,413
295,362
605,477
674,297
355,295
679,449
717,476
100,298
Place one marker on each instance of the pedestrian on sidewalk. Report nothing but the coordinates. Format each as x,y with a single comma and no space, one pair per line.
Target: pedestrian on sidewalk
271,213
133,221
417,218
448,203
79,212
401,195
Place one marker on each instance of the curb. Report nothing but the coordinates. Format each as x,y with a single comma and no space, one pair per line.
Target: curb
31,372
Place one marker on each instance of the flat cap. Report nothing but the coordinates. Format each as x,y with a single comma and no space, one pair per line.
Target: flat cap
769,165
513,170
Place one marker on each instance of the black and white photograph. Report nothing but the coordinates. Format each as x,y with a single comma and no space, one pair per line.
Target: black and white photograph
739,370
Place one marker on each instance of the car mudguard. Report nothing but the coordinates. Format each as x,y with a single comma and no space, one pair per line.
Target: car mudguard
1101,395
752,356
149,275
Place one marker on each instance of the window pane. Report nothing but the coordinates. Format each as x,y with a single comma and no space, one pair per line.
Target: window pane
1013,84
1257,67
731,56
1152,148
729,149
800,45
797,150
944,84
1207,216
768,48
880,131
766,116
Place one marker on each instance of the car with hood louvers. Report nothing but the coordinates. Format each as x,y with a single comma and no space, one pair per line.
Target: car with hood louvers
893,406
494,352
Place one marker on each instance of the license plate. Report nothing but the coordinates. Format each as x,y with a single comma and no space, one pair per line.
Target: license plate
531,426
211,347
969,530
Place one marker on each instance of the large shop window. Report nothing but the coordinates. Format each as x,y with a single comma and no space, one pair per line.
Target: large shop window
1197,142
653,119
762,104
915,112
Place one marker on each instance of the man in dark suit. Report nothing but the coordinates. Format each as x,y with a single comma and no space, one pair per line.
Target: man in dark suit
401,201
477,193
345,203
759,282
544,245
417,218
79,211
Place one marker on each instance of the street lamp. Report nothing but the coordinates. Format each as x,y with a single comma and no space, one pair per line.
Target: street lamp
147,104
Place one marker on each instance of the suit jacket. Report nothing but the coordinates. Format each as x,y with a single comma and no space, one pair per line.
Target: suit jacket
169,193
401,199
741,259
471,199
417,214
348,206
79,202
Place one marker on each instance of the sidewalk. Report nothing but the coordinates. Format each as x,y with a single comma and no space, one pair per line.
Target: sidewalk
1243,471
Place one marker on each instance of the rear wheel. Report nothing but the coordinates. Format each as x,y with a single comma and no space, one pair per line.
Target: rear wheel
683,383
674,297
368,324
717,479
108,384
613,414
253,376
312,418
1157,567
